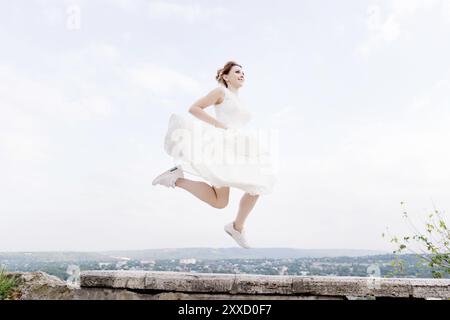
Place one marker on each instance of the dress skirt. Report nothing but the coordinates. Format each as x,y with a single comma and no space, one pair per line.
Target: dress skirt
224,157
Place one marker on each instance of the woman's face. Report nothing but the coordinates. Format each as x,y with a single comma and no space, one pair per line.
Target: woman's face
235,77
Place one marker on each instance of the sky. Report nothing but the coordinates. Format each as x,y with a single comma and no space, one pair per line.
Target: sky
358,92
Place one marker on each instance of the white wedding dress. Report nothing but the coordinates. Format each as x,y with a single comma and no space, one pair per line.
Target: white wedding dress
232,157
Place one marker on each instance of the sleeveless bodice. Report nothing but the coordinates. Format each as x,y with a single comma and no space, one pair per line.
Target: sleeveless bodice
232,111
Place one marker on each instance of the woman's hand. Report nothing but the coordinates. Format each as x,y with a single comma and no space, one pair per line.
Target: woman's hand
219,124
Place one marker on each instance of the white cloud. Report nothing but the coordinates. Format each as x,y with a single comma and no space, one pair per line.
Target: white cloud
126,4
411,147
187,12
91,107
31,108
32,113
163,81
23,147
53,16
446,12
21,141
402,8
386,25
370,170
40,98
284,111
269,33
93,53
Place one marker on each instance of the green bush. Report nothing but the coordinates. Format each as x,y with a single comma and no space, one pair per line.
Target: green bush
433,244
7,286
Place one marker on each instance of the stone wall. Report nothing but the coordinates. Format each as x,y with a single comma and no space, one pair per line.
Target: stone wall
151,285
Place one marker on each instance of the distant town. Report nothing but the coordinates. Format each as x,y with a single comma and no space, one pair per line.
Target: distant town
63,264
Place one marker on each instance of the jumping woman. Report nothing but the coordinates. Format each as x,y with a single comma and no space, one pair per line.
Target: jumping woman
233,156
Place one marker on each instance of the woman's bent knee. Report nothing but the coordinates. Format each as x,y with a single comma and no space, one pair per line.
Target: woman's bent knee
220,204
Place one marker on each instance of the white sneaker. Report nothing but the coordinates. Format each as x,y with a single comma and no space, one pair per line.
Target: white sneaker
169,177
239,237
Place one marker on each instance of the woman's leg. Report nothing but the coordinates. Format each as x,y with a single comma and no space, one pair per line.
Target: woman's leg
245,207
216,197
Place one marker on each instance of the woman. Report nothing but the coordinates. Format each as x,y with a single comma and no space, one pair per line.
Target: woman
225,138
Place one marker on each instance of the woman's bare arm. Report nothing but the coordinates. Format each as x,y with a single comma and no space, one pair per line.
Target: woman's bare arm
211,98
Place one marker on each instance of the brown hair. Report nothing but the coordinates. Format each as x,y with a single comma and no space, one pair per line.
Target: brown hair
225,70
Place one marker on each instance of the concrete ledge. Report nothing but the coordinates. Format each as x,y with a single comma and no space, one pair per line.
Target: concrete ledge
206,285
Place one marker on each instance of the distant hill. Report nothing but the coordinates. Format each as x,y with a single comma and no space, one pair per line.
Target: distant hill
53,256
239,253
180,253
